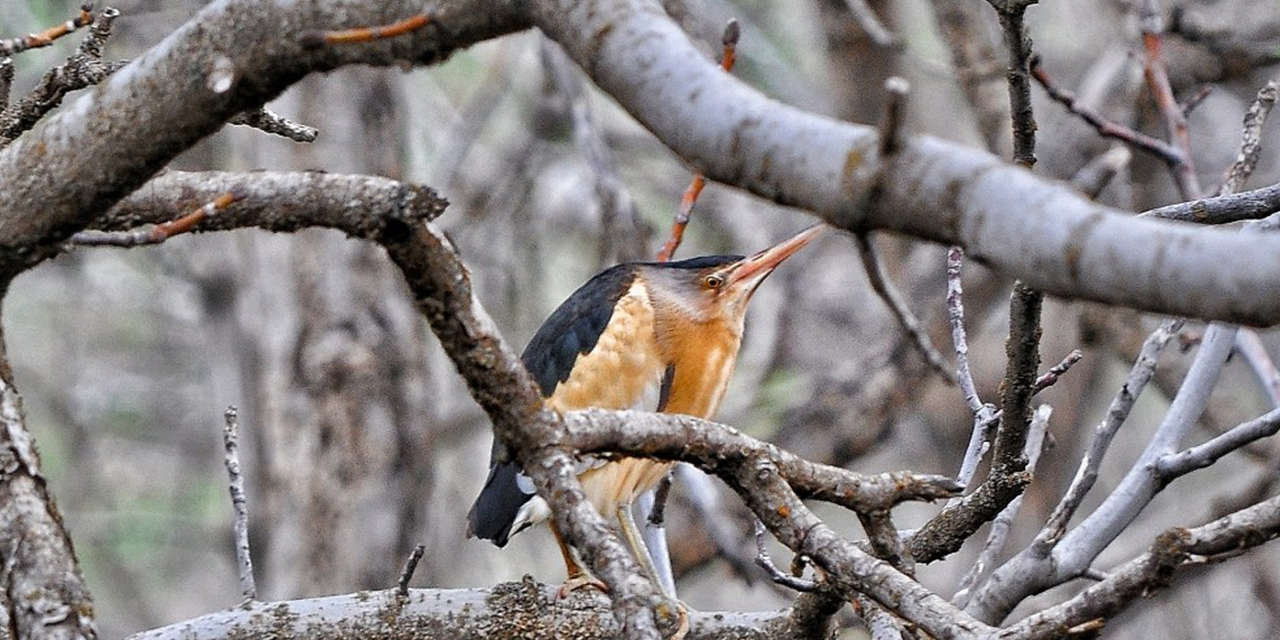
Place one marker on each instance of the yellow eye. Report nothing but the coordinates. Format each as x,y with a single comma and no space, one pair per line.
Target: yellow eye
713,281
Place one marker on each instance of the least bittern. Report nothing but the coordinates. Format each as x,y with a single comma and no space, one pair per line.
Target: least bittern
644,336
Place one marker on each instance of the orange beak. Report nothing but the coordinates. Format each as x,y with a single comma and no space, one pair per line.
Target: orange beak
755,268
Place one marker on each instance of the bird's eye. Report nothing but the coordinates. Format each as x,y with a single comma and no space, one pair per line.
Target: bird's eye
713,281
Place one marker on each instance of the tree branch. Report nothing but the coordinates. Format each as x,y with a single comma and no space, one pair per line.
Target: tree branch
519,610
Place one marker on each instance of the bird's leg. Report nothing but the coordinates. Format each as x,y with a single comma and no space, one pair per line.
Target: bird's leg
576,577
627,523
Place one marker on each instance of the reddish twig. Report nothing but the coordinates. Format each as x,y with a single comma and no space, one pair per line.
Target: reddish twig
1157,75
45,38
366,34
727,60
160,232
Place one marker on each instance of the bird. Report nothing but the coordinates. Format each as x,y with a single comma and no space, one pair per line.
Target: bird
648,336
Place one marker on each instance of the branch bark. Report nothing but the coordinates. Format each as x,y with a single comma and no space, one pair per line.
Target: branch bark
524,610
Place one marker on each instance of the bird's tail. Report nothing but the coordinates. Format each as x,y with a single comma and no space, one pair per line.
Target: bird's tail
502,509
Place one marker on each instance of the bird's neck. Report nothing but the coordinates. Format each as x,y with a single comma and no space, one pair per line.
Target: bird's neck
704,356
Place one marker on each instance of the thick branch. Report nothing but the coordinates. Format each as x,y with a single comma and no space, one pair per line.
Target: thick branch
516,610
1053,239
723,450
42,586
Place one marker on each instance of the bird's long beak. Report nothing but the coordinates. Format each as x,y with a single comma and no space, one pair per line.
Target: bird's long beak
763,263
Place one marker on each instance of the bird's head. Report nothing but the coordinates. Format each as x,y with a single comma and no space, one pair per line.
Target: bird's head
717,288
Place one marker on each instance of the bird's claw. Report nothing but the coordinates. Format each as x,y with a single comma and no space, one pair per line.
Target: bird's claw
580,581
680,624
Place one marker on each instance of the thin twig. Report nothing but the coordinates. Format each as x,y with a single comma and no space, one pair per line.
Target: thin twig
83,68
778,575
1018,43
410,566
1106,128
871,25
239,504
1224,209
955,313
1096,174
1050,377
315,39
272,122
1194,101
1157,75
1176,464
45,38
1255,353
1251,140
884,288
881,625
729,42
896,90
983,413
158,233
999,534
6,80
1087,473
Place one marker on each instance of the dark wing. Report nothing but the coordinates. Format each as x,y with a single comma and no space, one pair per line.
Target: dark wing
572,330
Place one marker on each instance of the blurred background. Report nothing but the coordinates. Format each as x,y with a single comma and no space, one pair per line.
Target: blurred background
359,439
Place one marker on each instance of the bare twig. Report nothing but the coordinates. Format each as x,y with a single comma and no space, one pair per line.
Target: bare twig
955,313
1019,45
1251,140
83,68
880,623
1157,74
410,566
896,90
1194,101
272,122
943,534
1117,413
6,80
316,39
1249,205
1170,154
1172,465
1255,353
884,288
999,534
45,38
983,413
778,575
871,25
729,42
244,560
1050,377
1096,174
159,233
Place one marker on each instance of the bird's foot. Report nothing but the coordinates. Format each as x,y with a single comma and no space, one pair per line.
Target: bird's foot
579,582
673,619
